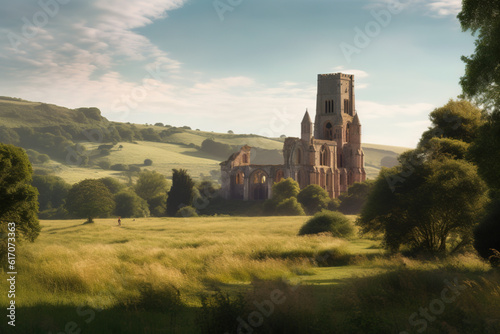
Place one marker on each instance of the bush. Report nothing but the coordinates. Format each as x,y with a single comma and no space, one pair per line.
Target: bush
289,207
219,313
328,222
284,189
135,169
187,211
313,198
104,164
119,167
148,162
487,235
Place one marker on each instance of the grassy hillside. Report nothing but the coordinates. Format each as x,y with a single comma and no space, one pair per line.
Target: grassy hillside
148,275
57,132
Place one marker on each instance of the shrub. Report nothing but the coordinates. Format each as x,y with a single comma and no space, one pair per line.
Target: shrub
284,189
187,211
289,207
148,162
136,169
119,167
219,313
104,164
313,198
328,222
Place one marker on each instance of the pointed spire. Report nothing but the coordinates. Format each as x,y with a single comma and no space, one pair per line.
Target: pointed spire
306,118
356,120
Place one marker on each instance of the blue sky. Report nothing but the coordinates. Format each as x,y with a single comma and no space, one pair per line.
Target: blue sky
244,65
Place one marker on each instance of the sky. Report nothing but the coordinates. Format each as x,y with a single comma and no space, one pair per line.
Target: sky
249,66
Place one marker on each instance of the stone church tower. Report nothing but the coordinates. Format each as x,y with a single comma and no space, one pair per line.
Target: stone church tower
327,153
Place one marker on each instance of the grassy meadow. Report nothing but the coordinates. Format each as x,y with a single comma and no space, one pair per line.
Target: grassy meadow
148,276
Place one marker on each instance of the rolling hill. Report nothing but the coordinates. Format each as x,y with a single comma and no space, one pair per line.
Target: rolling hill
46,129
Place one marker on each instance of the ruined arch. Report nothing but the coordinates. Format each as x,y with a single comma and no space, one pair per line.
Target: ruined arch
237,181
259,185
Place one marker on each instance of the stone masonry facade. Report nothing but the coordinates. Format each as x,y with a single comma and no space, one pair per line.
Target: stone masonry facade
328,153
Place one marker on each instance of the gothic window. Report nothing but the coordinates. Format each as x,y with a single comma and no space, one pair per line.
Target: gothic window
279,176
245,159
329,107
298,156
348,133
323,157
328,131
346,106
239,178
259,177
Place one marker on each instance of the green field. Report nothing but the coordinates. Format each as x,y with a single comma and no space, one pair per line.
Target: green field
167,156
73,271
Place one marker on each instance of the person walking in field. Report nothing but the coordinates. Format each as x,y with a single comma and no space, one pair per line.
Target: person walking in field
119,221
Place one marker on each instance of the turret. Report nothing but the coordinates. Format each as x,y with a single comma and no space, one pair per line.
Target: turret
306,127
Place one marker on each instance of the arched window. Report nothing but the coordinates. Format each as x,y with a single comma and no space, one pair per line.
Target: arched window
245,158
279,176
239,177
323,157
346,106
298,156
259,177
328,131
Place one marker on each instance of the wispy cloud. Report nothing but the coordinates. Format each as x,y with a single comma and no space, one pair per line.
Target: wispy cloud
433,8
445,7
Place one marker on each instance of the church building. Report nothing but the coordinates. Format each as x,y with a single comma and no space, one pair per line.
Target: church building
328,153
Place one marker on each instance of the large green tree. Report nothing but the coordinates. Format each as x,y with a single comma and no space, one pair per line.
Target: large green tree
181,193
130,205
90,199
52,191
482,69
458,120
356,196
431,205
18,198
150,184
